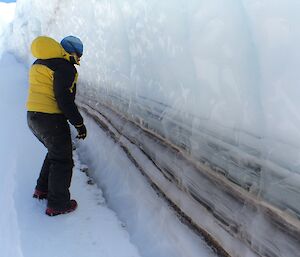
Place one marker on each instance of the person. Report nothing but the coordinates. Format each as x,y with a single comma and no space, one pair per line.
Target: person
50,105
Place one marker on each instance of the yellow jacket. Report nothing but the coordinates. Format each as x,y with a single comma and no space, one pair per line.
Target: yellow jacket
52,80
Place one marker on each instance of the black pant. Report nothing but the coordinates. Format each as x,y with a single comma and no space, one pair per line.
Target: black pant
55,177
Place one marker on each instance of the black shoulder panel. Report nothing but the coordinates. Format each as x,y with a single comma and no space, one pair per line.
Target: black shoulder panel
53,63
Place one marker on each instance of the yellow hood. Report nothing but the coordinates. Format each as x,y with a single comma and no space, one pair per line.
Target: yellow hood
46,48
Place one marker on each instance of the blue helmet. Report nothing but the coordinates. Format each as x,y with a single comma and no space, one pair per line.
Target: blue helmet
72,44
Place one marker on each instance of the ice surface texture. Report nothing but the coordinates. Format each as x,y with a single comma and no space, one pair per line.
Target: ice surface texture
216,78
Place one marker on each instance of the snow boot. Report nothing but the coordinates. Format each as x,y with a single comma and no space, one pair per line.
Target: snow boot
53,212
40,194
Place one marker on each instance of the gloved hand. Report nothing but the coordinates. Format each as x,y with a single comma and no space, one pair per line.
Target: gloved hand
81,129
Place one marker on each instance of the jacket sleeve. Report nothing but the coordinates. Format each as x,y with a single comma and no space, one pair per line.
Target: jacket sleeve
63,80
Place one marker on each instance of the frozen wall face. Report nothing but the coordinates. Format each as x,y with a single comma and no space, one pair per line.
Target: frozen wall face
217,79
6,16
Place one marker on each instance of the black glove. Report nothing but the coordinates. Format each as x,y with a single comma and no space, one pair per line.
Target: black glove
81,129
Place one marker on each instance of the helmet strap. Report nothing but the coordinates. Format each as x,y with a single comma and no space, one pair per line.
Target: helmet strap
73,60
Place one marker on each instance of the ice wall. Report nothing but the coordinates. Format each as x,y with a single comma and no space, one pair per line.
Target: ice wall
216,78
6,16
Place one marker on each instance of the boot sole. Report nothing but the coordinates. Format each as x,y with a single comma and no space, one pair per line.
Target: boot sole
50,212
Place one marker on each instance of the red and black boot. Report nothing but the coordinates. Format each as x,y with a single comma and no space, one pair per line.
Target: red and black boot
53,212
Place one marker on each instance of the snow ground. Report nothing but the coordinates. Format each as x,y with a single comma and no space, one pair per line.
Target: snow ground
25,231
